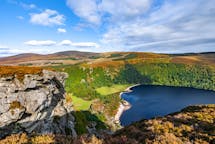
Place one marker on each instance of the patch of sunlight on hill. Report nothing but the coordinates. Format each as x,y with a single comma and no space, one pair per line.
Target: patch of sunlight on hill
111,90
79,103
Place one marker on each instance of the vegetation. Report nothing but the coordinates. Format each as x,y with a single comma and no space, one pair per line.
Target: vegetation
179,128
116,88
114,55
94,83
105,80
86,119
129,56
94,57
69,58
19,71
15,105
94,86
80,104
194,124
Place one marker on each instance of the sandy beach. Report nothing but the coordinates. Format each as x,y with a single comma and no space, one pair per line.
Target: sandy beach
124,105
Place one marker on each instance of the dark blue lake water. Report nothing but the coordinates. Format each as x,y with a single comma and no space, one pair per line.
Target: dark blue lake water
153,101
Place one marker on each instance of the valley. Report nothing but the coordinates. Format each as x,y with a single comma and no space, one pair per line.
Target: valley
95,81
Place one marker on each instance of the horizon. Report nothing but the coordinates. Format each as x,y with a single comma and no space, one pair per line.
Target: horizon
108,52
156,26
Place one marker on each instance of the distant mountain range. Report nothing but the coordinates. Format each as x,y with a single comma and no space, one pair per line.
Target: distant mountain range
71,57
26,57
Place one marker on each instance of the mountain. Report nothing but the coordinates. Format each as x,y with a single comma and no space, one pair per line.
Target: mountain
74,57
94,83
31,57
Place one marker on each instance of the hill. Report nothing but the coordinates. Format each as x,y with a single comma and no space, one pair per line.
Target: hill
95,81
194,124
28,58
74,57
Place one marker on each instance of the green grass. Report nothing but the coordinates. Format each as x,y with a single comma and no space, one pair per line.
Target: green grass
94,57
115,55
79,103
127,57
111,90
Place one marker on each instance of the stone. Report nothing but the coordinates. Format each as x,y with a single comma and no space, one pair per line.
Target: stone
35,105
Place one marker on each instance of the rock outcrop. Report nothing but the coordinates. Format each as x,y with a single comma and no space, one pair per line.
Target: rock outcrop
35,104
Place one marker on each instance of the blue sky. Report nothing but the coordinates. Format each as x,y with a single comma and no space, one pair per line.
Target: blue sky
162,26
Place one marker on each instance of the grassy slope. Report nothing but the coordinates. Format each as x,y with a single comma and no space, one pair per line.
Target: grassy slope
105,90
79,103
103,79
194,124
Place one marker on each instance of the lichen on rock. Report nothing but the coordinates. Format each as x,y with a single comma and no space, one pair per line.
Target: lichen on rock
35,105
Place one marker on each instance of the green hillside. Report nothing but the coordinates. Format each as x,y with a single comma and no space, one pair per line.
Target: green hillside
104,80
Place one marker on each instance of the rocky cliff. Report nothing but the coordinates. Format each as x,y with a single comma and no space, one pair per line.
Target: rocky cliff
35,104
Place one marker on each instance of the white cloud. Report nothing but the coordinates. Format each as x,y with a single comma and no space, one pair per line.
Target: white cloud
125,9
130,24
40,43
94,11
78,44
86,9
3,47
20,17
28,6
176,26
61,30
62,43
65,43
86,44
47,18
23,5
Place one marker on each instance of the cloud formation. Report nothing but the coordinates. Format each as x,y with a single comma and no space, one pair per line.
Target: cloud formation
179,26
62,43
142,25
124,9
78,44
40,43
6,51
3,47
86,9
47,18
94,11
164,26
61,30
28,6
20,17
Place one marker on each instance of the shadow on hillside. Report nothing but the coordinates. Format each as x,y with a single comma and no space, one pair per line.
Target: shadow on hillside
131,75
86,118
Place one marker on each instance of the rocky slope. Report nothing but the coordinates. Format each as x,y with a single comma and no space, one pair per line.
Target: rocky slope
192,125
34,103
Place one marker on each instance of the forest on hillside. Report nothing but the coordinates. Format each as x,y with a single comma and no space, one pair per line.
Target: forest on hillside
104,84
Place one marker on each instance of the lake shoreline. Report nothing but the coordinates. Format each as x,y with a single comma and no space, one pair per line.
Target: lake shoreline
124,105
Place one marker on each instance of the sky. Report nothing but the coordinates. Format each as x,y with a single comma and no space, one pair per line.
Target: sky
160,26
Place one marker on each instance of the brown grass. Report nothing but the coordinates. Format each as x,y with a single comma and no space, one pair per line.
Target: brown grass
185,60
19,71
105,64
199,60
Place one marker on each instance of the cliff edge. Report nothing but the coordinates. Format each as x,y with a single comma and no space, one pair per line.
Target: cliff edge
34,103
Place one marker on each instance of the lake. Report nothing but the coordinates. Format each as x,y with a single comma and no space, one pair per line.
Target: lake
152,101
